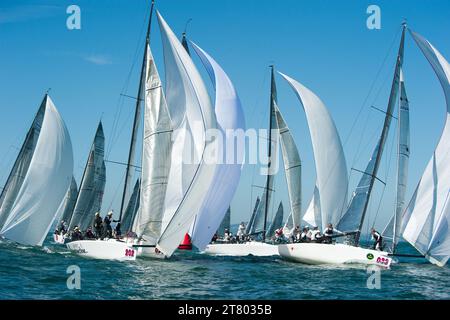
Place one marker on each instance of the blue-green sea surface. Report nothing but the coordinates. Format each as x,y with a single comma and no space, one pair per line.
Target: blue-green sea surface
41,273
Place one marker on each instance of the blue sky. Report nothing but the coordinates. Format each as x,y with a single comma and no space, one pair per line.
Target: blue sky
323,44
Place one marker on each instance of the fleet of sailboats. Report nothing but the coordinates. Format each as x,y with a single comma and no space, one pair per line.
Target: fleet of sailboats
173,197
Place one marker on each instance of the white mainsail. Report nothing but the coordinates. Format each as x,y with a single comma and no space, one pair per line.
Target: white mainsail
92,184
230,120
392,231
330,194
427,217
45,183
190,93
292,168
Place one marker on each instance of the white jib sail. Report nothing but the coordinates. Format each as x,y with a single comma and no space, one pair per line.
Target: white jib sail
45,185
230,120
200,118
330,195
427,216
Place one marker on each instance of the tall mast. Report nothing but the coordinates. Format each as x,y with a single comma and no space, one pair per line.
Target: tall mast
136,115
385,131
273,98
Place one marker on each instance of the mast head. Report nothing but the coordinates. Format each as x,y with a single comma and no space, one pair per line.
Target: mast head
404,23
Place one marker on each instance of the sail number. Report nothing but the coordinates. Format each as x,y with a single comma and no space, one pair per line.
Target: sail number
129,253
383,261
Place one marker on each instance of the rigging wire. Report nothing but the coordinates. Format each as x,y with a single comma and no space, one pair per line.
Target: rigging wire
120,101
363,105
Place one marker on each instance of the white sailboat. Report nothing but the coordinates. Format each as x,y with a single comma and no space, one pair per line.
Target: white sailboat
175,126
258,221
39,179
352,220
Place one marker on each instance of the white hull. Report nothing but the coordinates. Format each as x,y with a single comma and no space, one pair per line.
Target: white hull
149,252
258,249
110,249
317,253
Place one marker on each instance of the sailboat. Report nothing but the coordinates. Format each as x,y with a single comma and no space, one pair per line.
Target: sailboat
258,224
39,179
175,125
89,198
351,222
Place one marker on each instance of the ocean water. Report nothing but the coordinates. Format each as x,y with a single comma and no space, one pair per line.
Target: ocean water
41,273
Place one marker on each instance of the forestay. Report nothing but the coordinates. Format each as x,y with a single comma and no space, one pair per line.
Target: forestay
353,218
427,216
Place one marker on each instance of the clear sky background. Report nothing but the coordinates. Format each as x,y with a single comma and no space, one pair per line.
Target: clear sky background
323,44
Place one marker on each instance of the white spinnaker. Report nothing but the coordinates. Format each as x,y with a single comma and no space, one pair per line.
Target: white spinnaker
156,156
230,119
201,118
427,216
332,180
45,185
292,168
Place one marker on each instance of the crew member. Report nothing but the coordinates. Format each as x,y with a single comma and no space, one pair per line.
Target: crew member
107,229
98,221
378,244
